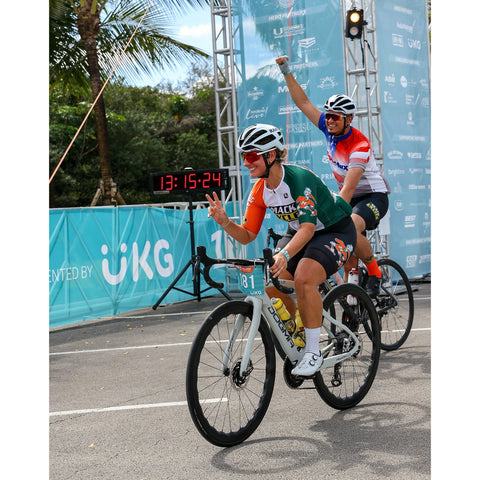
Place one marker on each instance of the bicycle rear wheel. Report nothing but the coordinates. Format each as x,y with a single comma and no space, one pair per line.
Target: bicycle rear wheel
345,384
394,305
226,406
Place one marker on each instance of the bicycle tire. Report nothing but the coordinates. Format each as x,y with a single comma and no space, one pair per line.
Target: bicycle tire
225,406
395,314
344,385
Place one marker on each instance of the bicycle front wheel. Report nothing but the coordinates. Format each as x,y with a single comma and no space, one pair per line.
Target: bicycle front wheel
345,384
227,405
394,305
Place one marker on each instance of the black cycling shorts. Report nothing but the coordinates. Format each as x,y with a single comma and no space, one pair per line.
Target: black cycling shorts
371,207
331,247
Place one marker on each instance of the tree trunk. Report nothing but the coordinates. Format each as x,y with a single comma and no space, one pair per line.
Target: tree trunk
88,24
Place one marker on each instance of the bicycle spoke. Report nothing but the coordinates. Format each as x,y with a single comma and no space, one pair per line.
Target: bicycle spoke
395,306
345,384
243,396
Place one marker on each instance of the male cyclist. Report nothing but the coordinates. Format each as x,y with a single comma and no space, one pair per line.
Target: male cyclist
359,179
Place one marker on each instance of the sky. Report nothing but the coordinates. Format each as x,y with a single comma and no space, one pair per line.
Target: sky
193,29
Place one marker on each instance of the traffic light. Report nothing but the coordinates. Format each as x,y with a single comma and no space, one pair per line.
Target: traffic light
354,24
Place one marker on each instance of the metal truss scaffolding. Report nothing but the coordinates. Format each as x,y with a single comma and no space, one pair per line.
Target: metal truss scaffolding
226,110
363,85
361,76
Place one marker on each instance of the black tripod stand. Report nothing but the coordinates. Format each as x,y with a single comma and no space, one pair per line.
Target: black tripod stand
192,262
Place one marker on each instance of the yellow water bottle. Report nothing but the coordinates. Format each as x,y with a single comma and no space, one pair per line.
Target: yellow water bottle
289,323
299,334
284,315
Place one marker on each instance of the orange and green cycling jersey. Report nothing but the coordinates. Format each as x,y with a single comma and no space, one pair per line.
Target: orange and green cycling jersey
301,197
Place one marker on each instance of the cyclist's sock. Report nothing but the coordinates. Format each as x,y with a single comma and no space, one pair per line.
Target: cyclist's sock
373,269
312,340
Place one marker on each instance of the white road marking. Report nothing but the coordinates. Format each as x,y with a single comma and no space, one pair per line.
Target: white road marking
162,345
131,407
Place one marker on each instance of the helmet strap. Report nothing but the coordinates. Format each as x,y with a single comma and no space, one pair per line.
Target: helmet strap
345,126
268,166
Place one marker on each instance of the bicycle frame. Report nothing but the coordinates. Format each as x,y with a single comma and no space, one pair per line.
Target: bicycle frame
263,305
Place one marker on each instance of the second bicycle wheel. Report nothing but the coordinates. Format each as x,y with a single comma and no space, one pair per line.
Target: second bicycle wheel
345,384
394,305
227,405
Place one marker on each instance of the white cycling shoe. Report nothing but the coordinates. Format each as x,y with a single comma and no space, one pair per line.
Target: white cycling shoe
309,365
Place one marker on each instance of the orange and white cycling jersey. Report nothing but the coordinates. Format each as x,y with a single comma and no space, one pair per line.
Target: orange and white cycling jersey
353,150
301,197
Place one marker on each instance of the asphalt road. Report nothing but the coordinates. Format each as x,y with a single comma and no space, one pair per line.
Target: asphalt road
118,409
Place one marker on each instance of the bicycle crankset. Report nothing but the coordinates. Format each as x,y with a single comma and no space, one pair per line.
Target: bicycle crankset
292,381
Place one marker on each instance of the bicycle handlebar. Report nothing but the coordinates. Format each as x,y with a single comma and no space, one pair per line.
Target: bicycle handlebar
274,236
208,262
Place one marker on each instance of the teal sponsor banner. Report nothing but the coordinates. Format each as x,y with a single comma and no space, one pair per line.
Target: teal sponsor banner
108,260
311,34
404,77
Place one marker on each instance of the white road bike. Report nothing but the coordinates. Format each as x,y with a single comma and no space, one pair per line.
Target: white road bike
232,363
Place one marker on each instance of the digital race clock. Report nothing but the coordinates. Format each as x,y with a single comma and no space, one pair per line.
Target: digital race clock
189,181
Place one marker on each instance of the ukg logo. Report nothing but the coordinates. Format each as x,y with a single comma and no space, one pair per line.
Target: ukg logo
138,262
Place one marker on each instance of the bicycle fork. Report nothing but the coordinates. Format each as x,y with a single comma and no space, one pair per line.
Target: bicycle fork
237,328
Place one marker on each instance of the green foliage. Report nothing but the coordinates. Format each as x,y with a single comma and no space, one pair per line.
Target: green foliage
178,106
144,135
151,49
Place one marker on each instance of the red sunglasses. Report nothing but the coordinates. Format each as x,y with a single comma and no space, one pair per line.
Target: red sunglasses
251,157
334,116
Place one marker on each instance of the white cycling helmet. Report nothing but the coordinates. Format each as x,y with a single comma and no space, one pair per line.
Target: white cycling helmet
260,137
340,104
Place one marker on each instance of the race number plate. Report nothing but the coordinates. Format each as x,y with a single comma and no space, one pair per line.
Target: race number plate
250,280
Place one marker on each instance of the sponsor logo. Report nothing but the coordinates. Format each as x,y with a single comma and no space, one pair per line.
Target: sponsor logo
254,114
307,42
138,261
390,79
397,40
395,155
388,97
374,209
307,203
409,221
286,212
411,261
255,93
292,30
396,171
415,44
411,99
327,82
404,26
398,205
280,324
340,250
284,88
398,8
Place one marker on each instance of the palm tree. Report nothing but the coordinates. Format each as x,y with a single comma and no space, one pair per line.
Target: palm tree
87,39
